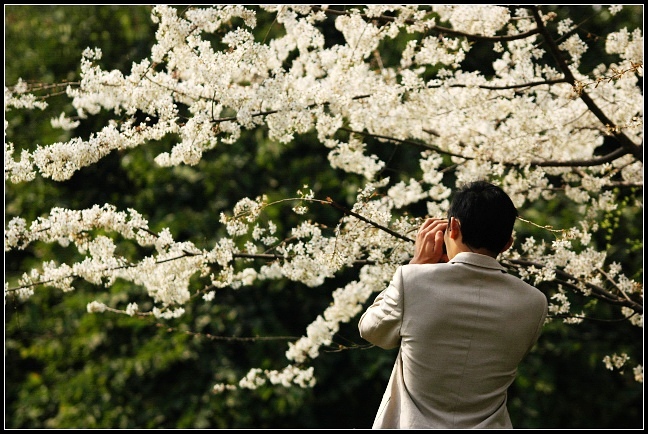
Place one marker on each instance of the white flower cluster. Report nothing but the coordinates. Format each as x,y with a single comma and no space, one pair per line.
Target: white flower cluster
634,318
65,226
617,361
166,275
404,194
350,157
64,122
638,373
18,97
256,377
560,303
96,306
481,20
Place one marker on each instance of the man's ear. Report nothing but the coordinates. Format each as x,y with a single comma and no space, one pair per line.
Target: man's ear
454,229
508,245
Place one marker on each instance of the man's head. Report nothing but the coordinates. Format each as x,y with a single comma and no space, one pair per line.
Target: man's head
486,215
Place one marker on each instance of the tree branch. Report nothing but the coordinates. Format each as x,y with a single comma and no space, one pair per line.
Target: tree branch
541,163
624,141
366,220
597,291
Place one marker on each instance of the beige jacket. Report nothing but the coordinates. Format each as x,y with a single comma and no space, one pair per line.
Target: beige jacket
463,328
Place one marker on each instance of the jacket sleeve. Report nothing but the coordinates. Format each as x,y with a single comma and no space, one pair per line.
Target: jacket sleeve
381,323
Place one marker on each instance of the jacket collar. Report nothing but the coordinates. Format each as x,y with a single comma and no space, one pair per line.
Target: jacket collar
477,260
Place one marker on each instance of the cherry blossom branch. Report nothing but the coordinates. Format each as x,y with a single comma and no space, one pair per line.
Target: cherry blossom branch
366,220
624,141
597,291
614,155
443,30
25,87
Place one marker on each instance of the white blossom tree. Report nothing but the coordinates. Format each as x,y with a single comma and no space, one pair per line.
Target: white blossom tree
536,124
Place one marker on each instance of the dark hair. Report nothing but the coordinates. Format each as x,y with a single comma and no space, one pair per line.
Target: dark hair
486,214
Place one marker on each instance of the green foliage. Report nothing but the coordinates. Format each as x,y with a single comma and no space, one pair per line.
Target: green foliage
564,385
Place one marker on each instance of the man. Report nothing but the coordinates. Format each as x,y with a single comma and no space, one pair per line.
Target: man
461,322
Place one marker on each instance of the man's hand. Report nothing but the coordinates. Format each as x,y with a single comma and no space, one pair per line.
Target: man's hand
428,248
